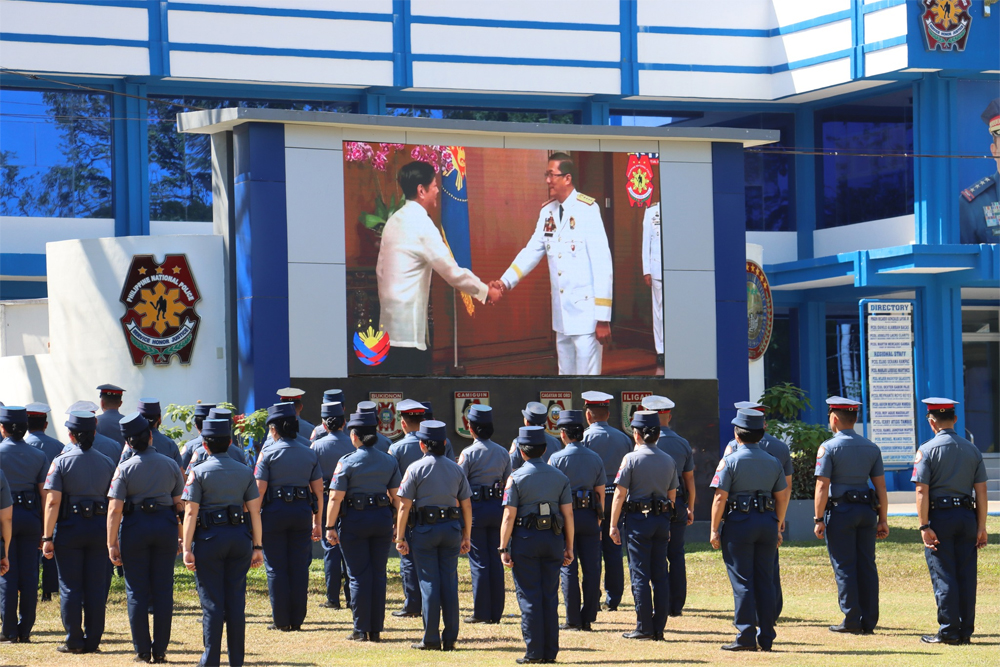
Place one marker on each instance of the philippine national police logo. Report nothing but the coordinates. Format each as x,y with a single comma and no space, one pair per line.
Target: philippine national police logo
946,24
760,311
160,321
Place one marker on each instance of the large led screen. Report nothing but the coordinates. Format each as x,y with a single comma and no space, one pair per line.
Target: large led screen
492,261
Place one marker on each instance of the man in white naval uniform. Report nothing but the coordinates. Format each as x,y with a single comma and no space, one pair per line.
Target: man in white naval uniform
652,271
570,235
411,247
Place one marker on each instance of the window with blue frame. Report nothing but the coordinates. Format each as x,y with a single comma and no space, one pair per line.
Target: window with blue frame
55,154
843,356
180,165
866,169
499,115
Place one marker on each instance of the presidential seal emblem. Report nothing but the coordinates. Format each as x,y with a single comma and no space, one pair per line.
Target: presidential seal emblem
760,311
946,24
160,321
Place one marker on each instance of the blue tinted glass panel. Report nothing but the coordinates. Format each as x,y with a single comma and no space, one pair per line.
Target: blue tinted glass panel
55,154
499,115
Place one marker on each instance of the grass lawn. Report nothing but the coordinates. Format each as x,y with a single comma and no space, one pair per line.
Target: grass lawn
907,611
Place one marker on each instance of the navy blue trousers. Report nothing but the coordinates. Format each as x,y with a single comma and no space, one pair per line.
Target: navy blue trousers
748,545
365,536
21,581
675,559
850,539
411,583
586,558
647,537
148,544
484,561
435,553
334,568
537,556
222,558
287,542
50,574
953,570
614,569
81,550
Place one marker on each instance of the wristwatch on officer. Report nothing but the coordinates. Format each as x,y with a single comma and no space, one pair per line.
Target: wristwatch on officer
399,541
329,528
921,528
258,547
46,539
503,550
817,519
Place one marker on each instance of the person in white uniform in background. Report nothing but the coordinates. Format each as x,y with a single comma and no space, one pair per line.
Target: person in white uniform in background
652,271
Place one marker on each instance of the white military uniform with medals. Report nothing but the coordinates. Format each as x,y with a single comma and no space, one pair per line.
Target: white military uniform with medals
411,246
580,273
652,266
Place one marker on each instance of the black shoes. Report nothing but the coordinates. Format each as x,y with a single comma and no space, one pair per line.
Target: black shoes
330,605
159,658
675,614
641,636
375,637
530,661
64,648
420,646
447,647
358,636
569,626
283,628
845,630
4,639
142,657
738,647
938,639
472,620
402,613
46,597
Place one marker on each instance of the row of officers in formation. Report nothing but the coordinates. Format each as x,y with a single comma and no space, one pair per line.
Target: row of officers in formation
551,510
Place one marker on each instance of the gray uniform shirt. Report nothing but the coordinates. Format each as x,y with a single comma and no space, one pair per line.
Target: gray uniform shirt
305,428
5,498
949,464
200,454
748,470
330,449
102,444
190,447
849,461
772,446
552,445
583,467
435,481
406,451
49,445
23,464
367,470
161,444
108,426
145,475
646,472
288,463
534,483
680,451
485,463
610,444
81,475
218,481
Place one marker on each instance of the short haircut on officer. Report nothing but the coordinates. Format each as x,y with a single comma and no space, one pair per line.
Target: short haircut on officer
532,451
37,422
217,444
849,417
573,431
566,164
943,416
749,436
599,412
481,431
413,174
412,419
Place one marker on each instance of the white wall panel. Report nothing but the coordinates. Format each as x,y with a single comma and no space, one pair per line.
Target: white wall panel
313,136
317,305
38,57
705,50
811,43
788,12
687,226
689,335
314,186
444,139
279,32
234,67
886,60
178,227
551,143
64,19
805,79
733,14
885,24
884,233
685,151
367,6
518,78
778,246
553,11
709,85
29,235
515,42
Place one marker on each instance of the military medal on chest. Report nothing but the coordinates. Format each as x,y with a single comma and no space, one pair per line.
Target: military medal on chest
572,222
550,225
992,213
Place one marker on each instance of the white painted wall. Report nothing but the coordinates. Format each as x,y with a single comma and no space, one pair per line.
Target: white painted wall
863,235
24,327
29,235
778,247
88,347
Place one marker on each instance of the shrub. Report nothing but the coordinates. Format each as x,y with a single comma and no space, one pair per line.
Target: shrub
785,403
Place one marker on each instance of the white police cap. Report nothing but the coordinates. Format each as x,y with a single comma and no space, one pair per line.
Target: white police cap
37,408
659,403
596,397
83,406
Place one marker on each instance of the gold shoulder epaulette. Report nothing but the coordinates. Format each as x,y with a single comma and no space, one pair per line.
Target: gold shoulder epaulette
586,199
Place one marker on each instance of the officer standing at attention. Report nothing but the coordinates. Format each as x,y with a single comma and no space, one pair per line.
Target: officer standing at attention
382,443
536,538
645,488
745,485
436,489
219,545
406,451
108,420
850,515
449,451
535,414
361,495
290,481
652,272
585,471
76,534
683,456
201,452
611,445
149,408
6,512
294,396
145,501
102,443
24,466
947,469
779,451
201,412
487,468
329,396
36,437
332,446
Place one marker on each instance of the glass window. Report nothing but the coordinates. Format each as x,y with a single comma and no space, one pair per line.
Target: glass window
55,154
500,115
180,165
843,357
780,364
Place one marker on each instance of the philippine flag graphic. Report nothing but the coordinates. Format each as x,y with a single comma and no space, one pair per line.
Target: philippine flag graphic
371,347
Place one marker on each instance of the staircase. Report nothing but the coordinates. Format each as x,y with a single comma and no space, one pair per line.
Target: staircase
992,462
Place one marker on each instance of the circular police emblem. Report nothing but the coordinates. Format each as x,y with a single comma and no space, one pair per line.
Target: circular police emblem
760,311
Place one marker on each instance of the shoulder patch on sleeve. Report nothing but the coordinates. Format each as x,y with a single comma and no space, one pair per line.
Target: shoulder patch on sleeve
118,473
722,464
918,457
340,466
820,452
510,482
586,199
729,450
191,478
52,468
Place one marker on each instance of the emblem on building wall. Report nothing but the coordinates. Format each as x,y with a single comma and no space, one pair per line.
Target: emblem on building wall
639,178
760,311
555,402
631,401
946,24
160,321
463,401
388,417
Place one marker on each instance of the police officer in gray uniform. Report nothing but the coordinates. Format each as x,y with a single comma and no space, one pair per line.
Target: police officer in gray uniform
37,437
611,445
149,408
438,491
294,396
329,396
779,451
221,541
536,538
330,447
201,452
449,451
75,533
201,412
947,470
850,515
535,414
105,445
745,485
585,471
487,468
383,442
646,487
108,420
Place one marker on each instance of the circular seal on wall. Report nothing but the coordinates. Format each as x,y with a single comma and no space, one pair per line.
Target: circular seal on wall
760,311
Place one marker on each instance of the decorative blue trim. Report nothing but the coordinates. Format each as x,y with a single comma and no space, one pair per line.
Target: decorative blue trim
23,289
275,51
884,44
22,264
402,69
159,53
879,5
70,39
498,60
134,4
750,69
812,357
502,23
749,32
857,39
276,11
805,183
935,181
130,161
628,13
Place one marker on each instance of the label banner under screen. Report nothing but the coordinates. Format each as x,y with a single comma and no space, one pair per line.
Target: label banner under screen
492,261
890,391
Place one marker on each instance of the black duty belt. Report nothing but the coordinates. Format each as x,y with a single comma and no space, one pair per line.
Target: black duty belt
87,508
487,492
855,497
654,506
540,522
26,499
288,493
220,516
148,506
430,515
763,502
365,501
584,499
948,502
